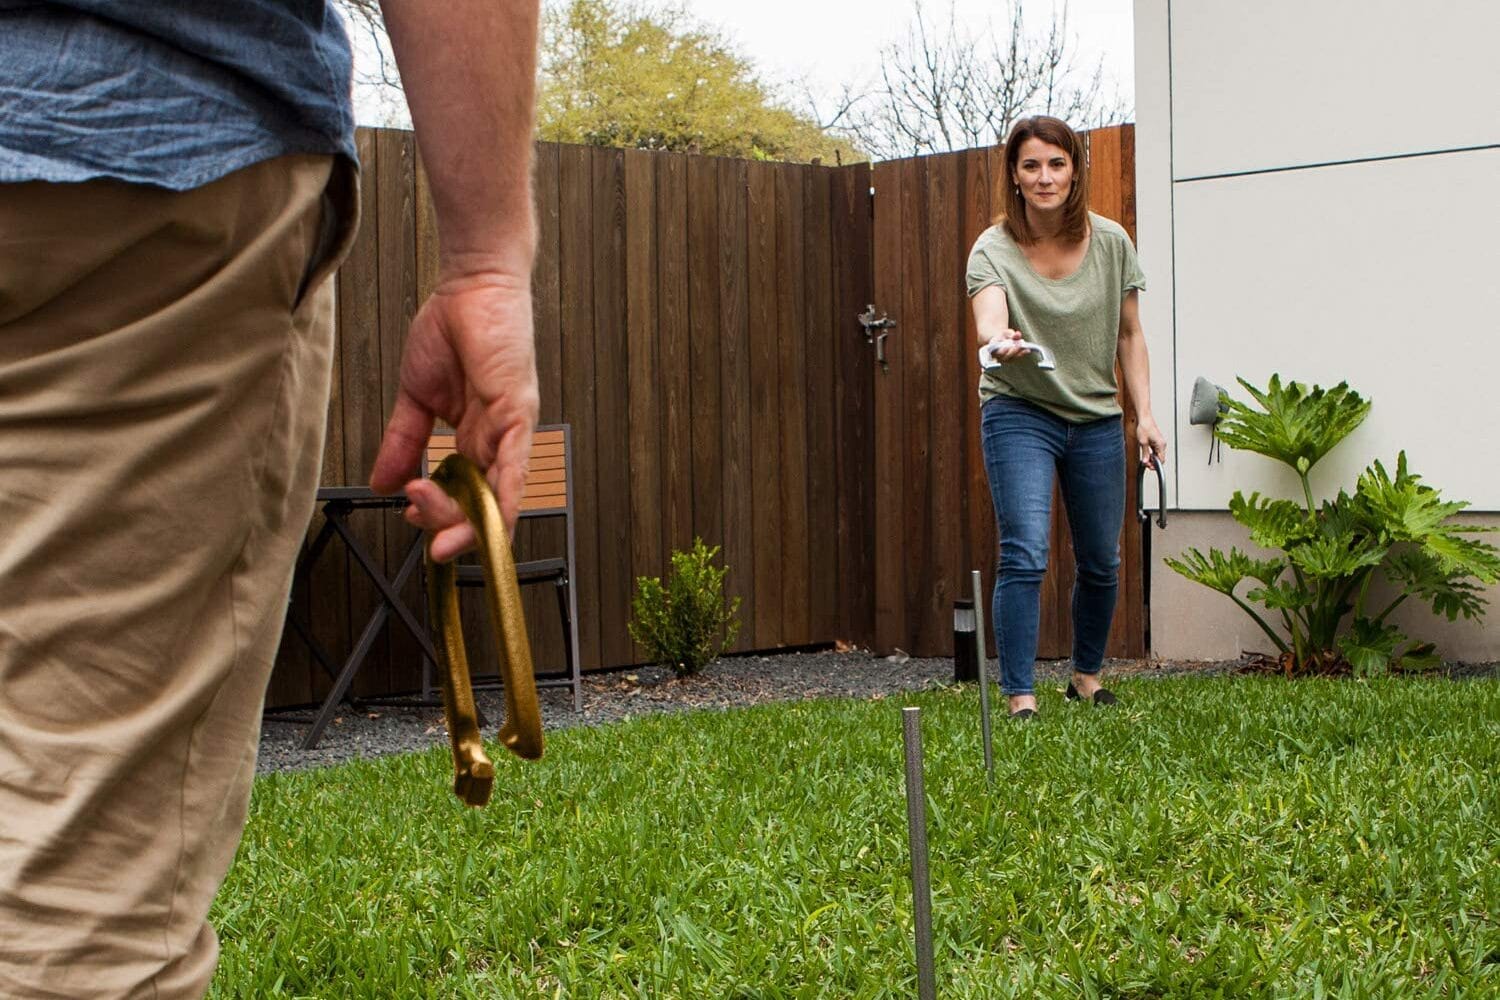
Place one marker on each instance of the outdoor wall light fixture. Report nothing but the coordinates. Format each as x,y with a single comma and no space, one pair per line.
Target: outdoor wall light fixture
1204,408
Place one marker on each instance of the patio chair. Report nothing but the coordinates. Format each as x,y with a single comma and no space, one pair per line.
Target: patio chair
548,494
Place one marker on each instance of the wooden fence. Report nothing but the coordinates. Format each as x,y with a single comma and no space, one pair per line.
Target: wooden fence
695,323
687,316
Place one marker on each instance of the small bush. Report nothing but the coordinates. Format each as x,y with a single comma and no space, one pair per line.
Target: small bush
684,623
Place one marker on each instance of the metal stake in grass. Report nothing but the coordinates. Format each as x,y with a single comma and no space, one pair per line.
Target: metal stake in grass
984,678
916,821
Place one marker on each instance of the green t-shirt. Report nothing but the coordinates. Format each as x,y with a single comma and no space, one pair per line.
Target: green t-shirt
1077,318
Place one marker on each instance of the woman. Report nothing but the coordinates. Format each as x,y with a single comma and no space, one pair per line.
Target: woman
1054,274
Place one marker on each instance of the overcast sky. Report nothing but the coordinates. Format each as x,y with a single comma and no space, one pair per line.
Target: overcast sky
833,42
830,43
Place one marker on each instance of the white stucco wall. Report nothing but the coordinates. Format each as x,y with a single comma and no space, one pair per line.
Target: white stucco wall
1317,196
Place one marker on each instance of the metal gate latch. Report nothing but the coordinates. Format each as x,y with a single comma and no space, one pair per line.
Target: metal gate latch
884,324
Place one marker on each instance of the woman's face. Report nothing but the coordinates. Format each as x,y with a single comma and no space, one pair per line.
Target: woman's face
1044,173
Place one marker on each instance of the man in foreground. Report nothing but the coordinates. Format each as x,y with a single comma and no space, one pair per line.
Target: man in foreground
177,182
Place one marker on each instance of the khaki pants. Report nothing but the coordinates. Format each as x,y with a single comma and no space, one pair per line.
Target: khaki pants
164,373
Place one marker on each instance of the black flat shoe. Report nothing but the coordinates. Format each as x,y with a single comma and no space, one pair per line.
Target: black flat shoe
1023,714
1103,696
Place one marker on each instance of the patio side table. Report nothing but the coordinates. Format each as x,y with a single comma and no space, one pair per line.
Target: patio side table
337,503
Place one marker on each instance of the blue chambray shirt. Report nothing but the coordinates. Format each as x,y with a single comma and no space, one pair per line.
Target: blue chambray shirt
174,94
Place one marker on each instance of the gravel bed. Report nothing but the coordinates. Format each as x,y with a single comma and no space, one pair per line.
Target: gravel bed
731,682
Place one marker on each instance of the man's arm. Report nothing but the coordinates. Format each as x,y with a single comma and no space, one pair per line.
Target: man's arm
469,71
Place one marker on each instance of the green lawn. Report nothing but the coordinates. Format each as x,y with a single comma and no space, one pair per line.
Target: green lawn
1209,837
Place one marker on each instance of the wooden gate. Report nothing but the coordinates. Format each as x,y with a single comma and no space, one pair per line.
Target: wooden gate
933,520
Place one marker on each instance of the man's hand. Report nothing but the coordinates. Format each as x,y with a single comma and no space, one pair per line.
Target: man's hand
471,362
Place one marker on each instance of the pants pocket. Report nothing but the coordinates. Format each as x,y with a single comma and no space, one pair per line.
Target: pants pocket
338,225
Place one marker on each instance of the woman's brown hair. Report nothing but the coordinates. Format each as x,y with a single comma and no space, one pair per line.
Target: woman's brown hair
1012,215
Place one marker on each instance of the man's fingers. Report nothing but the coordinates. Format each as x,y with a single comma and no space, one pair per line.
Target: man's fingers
507,477
450,543
432,509
509,483
402,445
435,512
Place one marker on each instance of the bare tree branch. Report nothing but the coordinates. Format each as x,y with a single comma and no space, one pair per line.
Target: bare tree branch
376,78
834,116
944,88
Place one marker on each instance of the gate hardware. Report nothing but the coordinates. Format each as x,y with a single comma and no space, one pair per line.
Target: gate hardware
884,324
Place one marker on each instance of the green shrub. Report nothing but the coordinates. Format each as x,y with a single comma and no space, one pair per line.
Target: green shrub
684,623
1317,586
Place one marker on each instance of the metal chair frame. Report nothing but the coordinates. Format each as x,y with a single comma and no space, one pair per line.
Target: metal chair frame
546,496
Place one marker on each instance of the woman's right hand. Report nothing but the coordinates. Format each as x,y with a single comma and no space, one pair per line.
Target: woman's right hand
1006,346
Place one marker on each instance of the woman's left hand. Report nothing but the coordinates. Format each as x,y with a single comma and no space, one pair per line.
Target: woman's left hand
1152,442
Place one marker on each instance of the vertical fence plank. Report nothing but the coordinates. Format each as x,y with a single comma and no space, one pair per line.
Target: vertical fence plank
675,398
791,380
644,365
1127,180
612,404
546,281
734,324
576,290
704,323
819,332
854,405
1104,198
359,322
765,404
396,201
1055,634
947,387
291,676
1107,187
916,360
891,416
980,535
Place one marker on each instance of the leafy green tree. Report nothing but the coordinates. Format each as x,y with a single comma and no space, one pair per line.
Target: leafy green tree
614,74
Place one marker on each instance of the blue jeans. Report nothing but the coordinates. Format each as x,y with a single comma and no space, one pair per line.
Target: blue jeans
1024,446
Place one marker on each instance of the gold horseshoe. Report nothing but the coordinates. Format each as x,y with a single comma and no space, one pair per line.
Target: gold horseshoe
521,732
